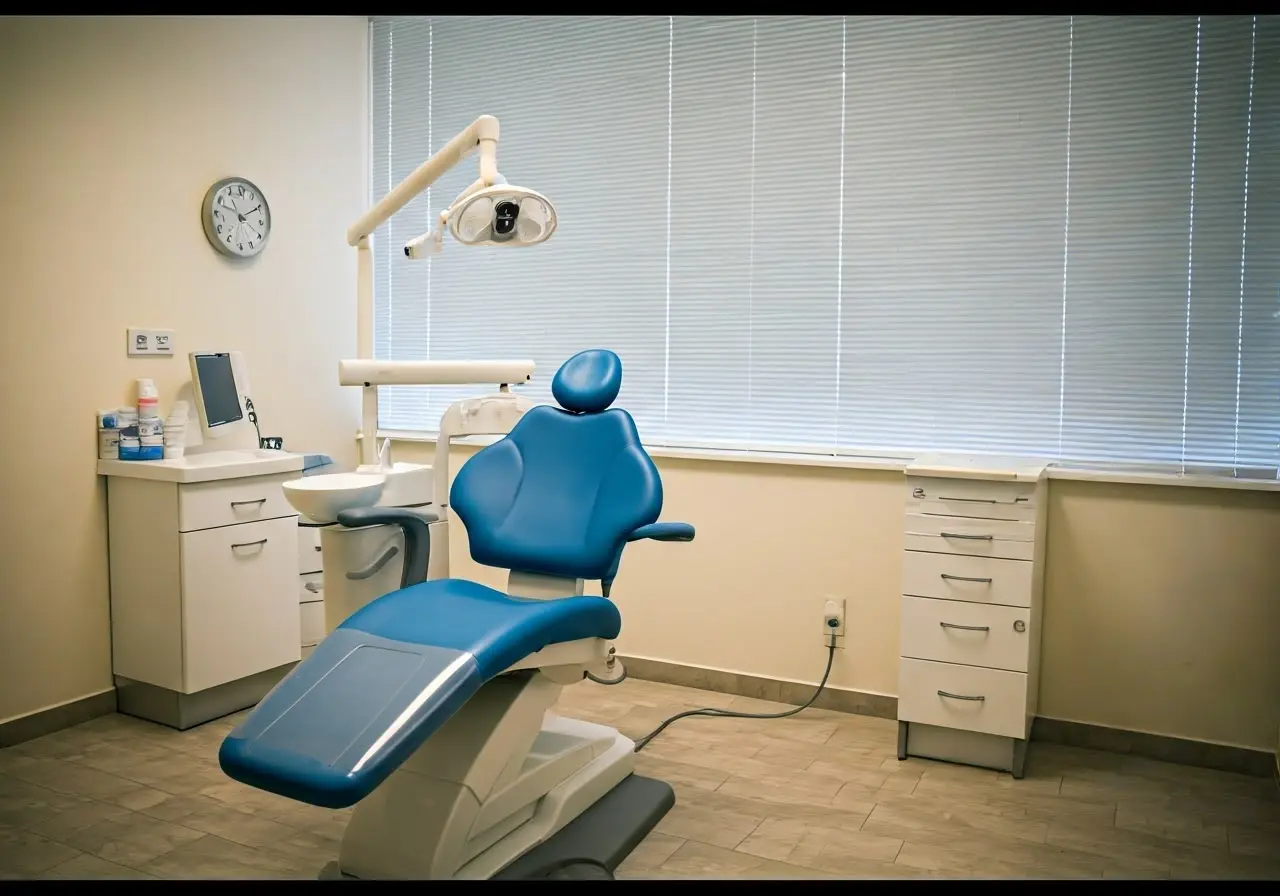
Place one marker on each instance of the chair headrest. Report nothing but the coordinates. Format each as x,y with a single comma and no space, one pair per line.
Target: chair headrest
588,382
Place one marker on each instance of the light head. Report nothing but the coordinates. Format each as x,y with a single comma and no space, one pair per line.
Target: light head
502,215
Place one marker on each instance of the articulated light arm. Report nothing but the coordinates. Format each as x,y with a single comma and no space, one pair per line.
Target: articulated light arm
481,133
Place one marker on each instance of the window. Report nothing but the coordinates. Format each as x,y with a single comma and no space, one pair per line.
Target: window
1056,236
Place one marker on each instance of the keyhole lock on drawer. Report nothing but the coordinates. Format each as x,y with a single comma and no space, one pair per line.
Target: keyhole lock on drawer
1019,626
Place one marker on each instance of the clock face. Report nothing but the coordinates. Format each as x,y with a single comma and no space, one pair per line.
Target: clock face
236,218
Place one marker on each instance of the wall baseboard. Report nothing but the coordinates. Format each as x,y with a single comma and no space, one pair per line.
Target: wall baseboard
1240,760
55,718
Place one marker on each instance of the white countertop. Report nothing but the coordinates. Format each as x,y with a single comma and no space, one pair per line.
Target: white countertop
962,466
206,466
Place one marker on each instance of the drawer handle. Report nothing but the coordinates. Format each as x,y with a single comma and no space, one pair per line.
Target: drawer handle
249,544
970,500
244,503
968,537
314,587
950,578
967,628
961,697
317,547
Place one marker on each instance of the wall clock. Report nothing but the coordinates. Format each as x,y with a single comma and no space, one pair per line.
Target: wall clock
236,217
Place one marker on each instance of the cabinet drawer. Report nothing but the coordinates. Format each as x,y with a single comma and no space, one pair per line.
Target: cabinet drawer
990,701
311,623
309,557
207,505
959,577
1003,539
956,631
239,601
981,498
311,587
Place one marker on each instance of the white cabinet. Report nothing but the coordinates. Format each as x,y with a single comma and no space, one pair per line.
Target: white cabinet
204,592
234,623
972,586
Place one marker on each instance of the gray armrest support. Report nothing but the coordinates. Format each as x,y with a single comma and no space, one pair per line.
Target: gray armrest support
414,525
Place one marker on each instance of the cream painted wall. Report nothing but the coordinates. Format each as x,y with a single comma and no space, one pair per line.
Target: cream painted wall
111,130
1162,604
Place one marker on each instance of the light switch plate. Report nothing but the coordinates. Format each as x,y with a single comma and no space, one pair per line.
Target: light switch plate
144,341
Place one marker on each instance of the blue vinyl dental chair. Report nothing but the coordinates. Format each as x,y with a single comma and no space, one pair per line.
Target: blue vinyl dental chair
427,708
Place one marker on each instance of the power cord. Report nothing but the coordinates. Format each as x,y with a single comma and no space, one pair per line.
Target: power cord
731,714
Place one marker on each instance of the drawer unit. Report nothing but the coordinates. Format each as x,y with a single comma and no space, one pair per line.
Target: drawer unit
309,555
311,623
954,631
988,701
207,505
1001,539
960,577
973,498
972,576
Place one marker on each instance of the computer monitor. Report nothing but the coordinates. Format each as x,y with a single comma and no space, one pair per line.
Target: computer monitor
219,384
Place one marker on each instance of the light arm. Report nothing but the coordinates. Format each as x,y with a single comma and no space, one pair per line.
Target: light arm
482,133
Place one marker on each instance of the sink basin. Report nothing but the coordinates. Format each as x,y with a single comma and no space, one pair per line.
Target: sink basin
322,498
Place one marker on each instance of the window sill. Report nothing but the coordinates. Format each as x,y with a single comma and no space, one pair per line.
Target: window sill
1128,474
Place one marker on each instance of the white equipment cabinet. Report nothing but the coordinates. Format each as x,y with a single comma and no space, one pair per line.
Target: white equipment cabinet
209,588
972,589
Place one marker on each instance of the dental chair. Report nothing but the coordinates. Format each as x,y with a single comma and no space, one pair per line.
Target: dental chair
427,709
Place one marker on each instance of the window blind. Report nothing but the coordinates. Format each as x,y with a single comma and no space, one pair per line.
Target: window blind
1038,235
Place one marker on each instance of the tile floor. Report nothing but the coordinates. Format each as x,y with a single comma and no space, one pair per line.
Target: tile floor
818,795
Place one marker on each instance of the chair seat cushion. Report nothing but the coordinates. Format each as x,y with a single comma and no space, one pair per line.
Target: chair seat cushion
495,628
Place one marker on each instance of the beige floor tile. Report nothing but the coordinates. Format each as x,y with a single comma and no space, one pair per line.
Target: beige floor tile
648,857
132,840
24,854
698,860
804,842
961,863
212,858
237,826
23,805
70,778
1180,827
1254,839
87,867
69,822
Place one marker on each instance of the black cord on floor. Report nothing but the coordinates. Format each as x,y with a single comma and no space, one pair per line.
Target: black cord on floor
732,714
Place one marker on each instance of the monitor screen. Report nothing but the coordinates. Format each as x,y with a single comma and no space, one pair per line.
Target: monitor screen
218,390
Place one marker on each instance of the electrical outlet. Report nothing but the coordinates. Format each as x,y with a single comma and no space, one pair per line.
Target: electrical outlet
143,341
833,612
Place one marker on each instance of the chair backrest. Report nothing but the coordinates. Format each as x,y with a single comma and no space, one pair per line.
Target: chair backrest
562,491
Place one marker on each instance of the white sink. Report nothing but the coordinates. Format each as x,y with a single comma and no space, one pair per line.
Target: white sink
322,498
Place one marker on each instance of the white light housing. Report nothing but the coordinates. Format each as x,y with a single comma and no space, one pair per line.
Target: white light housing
502,215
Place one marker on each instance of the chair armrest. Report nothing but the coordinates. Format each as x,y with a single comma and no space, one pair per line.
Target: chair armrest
663,532
417,535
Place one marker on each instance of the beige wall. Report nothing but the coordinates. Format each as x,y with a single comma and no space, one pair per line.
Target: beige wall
1162,605
111,130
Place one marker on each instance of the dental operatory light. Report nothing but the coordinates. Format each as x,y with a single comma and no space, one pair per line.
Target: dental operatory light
498,215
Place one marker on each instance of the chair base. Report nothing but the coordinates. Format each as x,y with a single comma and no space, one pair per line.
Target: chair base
602,836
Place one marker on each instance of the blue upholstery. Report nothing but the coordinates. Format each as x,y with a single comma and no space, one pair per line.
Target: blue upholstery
498,630
561,495
315,738
588,382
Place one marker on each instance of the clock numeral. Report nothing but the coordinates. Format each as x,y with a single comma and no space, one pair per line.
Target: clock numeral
219,228
251,196
228,191
259,222
251,245
239,245
217,214
241,190
228,238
